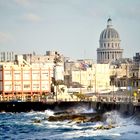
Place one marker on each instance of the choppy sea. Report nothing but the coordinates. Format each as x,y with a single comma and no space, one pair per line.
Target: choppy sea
18,126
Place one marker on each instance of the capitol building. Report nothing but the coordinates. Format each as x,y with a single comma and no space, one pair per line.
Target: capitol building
109,45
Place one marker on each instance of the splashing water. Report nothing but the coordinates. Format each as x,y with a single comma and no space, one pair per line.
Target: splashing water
21,126
113,117
81,109
49,112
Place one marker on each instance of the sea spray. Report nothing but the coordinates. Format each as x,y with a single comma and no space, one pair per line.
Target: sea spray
126,128
116,118
49,113
112,117
81,109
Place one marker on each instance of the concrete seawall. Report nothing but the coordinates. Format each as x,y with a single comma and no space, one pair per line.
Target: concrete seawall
127,108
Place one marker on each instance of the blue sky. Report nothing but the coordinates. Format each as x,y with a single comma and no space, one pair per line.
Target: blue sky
71,27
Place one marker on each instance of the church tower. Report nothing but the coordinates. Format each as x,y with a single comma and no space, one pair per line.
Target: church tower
109,45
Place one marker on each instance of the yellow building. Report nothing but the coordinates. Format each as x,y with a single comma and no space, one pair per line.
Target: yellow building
96,77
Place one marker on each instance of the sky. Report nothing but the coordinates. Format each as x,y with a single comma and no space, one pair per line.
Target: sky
71,27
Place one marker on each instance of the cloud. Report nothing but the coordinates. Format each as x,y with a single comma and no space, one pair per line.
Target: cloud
31,17
5,37
23,2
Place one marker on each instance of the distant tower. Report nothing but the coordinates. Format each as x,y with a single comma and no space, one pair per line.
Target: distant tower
109,45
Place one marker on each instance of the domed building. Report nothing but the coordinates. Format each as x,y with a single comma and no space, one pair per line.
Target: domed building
109,45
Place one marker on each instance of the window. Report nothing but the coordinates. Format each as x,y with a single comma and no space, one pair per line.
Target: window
113,56
26,75
101,45
137,83
112,45
26,85
36,86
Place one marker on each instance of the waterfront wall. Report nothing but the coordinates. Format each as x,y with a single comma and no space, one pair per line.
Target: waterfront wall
101,107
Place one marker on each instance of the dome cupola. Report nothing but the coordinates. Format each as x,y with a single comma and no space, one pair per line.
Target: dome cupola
109,35
109,22
109,41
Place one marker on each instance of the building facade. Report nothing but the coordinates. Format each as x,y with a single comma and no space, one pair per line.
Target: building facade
96,77
109,45
49,57
136,71
136,58
7,56
121,72
70,66
24,82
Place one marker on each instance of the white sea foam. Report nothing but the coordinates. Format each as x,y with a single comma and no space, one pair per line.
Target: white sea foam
86,133
30,113
123,126
82,109
49,112
113,117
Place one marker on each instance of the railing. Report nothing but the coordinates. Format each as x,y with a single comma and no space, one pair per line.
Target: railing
100,98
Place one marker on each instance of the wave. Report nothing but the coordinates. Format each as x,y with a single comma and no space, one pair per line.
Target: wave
125,127
80,110
122,128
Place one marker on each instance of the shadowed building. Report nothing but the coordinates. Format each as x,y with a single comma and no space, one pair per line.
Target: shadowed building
136,58
109,45
7,56
136,71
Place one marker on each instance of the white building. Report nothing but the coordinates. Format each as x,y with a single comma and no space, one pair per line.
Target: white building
59,72
96,77
109,45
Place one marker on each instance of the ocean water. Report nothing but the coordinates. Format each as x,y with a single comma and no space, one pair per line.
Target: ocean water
18,126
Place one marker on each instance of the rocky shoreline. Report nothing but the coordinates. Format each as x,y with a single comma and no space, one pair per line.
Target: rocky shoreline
79,118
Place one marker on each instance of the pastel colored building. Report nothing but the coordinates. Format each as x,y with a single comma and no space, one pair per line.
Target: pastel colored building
23,81
96,77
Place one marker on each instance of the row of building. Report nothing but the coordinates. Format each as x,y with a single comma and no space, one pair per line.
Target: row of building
32,76
37,76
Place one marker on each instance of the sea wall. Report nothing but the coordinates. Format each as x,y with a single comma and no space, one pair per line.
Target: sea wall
127,108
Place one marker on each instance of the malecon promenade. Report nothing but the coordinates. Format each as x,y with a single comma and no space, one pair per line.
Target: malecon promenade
100,102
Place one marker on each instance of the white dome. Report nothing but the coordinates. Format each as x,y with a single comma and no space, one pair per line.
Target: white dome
109,45
109,33
109,37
